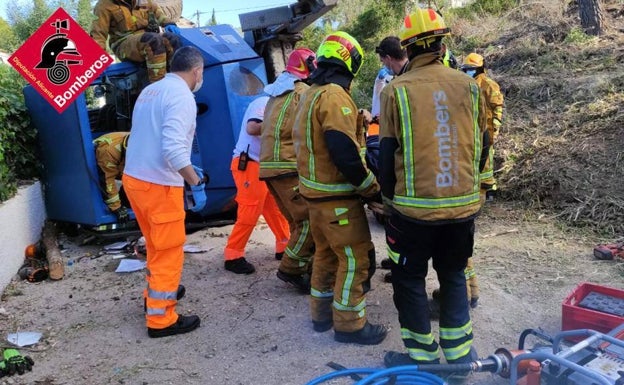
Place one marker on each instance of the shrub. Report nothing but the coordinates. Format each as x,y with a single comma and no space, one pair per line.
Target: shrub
17,137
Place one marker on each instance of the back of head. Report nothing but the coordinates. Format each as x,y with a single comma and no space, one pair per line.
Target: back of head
422,31
301,62
186,58
341,49
391,46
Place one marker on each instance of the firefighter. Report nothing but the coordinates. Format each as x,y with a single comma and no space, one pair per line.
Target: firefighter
133,31
333,178
432,130
110,154
278,165
252,194
158,164
474,66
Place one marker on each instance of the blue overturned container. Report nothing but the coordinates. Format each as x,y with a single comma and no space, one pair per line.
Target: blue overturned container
234,75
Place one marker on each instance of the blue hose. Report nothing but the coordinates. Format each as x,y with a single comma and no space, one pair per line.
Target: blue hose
400,375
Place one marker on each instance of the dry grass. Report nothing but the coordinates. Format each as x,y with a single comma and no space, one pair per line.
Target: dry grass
561,148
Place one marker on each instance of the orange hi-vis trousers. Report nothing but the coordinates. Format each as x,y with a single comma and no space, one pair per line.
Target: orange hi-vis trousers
253,198
160,212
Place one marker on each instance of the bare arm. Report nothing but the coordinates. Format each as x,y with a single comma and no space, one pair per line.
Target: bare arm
189,175
254,127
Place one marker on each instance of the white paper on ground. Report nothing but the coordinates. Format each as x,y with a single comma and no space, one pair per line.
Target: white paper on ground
24,338
194,249
129,265
116,246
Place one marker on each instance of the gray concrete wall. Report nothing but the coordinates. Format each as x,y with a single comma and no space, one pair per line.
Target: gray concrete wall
21,221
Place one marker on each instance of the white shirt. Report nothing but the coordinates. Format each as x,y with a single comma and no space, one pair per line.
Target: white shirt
163,126
255,111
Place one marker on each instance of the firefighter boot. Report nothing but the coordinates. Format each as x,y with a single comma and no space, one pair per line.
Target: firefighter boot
392,359
369,335
300,281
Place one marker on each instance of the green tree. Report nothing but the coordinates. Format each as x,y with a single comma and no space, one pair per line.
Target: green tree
84,14
213,19
9,42
25,20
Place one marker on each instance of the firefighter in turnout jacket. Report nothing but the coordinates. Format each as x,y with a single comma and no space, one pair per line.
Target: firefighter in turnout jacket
329,139
110,154
432,133
278,165
133,30
474,66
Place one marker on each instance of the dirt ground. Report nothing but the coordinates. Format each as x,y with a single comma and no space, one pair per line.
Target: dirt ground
256,329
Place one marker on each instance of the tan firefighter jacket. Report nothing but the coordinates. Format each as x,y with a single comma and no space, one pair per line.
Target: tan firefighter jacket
436,118
277,153
494,102
110,154
322,109
118,19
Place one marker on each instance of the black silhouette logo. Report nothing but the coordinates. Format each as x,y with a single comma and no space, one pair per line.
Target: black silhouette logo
53,53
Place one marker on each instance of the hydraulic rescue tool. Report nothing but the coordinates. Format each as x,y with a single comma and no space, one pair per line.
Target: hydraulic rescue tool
597,359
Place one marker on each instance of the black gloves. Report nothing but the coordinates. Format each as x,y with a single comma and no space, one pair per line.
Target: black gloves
373,199
122,214
14,362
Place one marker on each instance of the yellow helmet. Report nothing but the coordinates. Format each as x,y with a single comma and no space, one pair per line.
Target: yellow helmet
473,60
423,27
342,49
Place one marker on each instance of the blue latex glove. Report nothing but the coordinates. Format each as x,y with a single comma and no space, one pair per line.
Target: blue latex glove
201,174
199,192
199,196
172,28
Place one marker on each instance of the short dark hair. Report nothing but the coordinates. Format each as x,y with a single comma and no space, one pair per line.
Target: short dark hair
391,46
414,50
186,58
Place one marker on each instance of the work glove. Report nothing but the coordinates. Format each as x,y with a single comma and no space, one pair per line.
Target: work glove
199,197
201,174
122,214
14,362
172,28
198,192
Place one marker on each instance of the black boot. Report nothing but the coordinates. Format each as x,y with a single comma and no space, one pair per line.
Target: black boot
322,326
239,266
301,282
184,324
392,359
368,335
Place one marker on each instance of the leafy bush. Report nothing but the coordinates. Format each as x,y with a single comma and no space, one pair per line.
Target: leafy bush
577,36
17,137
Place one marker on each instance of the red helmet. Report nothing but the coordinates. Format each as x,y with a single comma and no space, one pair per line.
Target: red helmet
301,62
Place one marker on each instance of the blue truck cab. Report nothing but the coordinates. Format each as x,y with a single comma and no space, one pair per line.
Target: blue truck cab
236,69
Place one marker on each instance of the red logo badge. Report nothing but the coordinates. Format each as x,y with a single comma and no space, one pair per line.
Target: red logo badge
60,60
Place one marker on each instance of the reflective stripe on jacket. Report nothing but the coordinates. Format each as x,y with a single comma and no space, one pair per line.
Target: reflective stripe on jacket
437,117
326,108
277,154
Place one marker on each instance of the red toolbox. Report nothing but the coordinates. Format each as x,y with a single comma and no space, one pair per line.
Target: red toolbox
592,306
